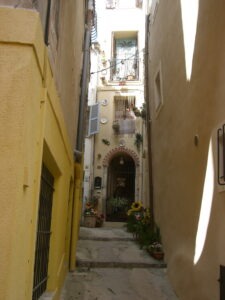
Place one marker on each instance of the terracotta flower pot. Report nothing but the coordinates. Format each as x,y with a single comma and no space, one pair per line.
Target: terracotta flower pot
89,221
157,255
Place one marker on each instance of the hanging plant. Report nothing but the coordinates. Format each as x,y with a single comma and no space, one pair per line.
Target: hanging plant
138,141
140,112
116,126
137,111
143,111
106,142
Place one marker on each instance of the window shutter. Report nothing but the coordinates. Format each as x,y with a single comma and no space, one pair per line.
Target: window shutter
94,119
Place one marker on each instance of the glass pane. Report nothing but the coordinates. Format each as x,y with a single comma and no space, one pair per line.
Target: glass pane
125,62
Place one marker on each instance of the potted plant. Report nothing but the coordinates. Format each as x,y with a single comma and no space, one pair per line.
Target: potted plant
106,142
140,112
118,203
99,220
116,126
156,250
89,215
138,140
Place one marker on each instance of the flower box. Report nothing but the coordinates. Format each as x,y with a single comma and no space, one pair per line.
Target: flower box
90,221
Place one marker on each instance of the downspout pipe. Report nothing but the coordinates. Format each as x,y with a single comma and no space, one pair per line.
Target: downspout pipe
47,24
148,120
83,96
78,152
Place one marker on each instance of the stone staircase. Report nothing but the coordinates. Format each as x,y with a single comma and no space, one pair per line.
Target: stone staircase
112,246
111,266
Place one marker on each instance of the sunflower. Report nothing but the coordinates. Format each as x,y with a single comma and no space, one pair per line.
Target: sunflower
136,206
129,212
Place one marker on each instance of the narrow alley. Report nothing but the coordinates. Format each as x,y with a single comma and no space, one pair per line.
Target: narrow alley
112,112
111,265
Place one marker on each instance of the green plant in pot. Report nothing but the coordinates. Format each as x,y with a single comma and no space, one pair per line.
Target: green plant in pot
138,140
116,126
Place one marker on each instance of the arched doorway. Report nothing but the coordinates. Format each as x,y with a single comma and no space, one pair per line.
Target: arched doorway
120,186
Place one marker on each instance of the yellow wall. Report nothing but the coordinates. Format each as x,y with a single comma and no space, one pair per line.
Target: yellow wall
32,130
69,61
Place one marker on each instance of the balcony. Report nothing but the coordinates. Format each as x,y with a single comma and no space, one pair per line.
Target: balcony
124,126
125,69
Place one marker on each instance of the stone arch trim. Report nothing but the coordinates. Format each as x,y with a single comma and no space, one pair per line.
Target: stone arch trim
117,150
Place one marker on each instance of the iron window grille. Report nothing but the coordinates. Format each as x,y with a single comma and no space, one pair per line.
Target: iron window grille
125,61
43,234
221,155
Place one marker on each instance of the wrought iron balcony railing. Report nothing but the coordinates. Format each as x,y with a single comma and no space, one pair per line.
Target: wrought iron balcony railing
124,69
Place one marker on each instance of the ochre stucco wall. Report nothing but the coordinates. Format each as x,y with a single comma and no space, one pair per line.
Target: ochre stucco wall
32,131
191,108
69,59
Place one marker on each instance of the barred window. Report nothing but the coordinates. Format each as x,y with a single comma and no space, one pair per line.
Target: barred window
125,62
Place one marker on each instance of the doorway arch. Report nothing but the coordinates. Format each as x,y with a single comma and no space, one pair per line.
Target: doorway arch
121,186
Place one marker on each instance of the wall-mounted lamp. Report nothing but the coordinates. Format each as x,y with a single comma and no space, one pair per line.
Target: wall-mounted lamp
121,161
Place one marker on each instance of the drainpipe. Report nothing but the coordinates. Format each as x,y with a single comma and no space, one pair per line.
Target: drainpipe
83,96
78,152
47,24
148,119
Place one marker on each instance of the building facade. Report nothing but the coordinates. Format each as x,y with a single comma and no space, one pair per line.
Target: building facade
186,94
41,56
119,158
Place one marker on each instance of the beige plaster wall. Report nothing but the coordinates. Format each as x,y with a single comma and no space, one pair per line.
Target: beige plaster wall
191,107
109,21
106,132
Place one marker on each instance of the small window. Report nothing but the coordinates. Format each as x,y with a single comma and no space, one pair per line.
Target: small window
94,119
110,4
120,4
98,183
221,155
126,4
125,63
158,95
139,3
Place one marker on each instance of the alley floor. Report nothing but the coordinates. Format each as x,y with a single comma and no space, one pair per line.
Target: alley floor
111,265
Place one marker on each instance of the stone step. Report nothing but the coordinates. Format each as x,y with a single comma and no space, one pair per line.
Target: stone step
122,265
106,239
106,233
112,248
117,253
